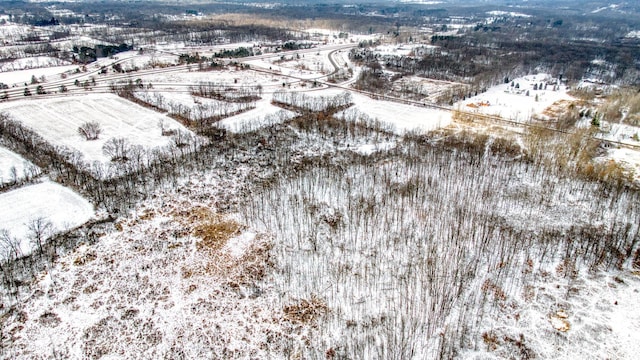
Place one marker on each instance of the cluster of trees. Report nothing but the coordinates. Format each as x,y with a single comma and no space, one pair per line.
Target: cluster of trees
223,92
114,185
200,116
481,60
87,54
234,53
422,230
310,103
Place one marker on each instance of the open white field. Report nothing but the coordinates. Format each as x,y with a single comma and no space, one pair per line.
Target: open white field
10,161
53,202
429,89
20,77
229,77
208,50
232,78
298,68
265,114
628,158
57,120
32,63
621,132
403,49
305,63
201,107
512,102
149,60
400,118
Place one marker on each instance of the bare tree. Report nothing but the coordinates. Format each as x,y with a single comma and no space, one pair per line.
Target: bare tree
39,230
90,130
117,148
9,246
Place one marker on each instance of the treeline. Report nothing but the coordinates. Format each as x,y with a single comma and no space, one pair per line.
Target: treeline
113,186
222,92
200,117
308,103
347,225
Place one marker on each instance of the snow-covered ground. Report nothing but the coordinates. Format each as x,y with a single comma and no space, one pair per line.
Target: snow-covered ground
57,121
147,61
175,299
50,201
131,60
621,132
633,34
32,63
307,63
199,107
401,50
507,13
21,77
263,115
14,167
512,102
427,90
627,157
285,69
231,78
177,47
400,118
593,316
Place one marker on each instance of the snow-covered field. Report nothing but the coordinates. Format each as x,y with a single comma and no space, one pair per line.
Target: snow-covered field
403,49
264,114
174,299
130,60
232,78
313,62
32,63
50,201
512,102
21,77
505,13
177,47
200,107
14,167
622,132
400,118
292,70
427,90
57,121
628,157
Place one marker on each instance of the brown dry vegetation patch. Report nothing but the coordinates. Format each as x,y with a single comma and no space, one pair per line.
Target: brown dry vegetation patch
305,311
240,19
85,258
214,230
558,108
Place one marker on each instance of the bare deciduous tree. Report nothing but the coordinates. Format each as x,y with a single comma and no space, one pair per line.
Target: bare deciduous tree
9,246
39,230
90,130
117,148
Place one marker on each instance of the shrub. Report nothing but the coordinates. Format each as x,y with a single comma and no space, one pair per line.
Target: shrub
90,130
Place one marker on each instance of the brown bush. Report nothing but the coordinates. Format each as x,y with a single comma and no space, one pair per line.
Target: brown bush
215,232
305,311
